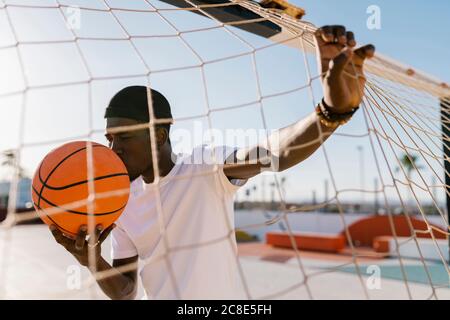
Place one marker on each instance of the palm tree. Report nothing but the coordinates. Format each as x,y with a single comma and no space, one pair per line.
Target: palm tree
272,191
10,159
409,163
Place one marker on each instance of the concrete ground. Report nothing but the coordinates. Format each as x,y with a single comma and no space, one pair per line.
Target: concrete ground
33,266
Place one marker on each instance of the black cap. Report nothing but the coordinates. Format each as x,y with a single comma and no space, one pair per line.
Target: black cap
131,102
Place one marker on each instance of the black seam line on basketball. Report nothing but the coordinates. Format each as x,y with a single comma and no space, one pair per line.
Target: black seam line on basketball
82,182
56,167
53,170
60,227
78,212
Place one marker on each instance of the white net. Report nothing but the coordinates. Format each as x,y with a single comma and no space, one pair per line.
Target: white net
240,67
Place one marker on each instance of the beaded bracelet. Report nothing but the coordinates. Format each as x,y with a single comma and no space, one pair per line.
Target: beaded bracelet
332,119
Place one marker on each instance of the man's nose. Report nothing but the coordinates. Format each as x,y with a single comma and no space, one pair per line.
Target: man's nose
116,147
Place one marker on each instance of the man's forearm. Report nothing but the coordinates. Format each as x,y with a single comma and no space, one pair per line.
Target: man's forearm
113,282
295,143
283,149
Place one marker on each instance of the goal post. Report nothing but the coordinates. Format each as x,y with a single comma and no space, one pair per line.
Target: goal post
445,117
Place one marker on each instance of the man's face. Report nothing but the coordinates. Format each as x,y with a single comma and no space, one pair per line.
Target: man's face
132,146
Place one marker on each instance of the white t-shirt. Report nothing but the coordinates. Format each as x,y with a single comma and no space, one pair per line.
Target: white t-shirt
199,248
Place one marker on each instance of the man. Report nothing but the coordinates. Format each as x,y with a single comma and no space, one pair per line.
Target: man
180,212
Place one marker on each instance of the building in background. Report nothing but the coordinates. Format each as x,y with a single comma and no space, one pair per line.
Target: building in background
24,202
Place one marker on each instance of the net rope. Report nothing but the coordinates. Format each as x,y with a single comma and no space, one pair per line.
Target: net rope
400,112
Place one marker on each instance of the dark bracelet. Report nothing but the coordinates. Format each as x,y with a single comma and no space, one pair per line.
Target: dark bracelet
332,119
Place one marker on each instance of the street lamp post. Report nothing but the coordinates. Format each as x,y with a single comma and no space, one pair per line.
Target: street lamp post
325,196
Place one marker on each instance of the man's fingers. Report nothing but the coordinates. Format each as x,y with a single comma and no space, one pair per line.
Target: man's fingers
106,233
366,51
351,42
96,236
339,33
81,238
332,34
58,235
325,35
338,64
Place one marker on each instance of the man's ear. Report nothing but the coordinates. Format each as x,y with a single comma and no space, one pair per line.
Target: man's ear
161,136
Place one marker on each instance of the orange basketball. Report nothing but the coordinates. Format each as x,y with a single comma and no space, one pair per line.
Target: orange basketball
61,187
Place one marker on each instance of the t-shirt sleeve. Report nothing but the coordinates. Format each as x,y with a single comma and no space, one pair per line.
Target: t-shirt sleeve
121,245
221,154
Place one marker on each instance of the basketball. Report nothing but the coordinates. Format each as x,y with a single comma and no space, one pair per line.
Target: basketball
66,194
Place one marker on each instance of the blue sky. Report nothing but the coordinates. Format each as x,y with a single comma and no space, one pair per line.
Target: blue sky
414,34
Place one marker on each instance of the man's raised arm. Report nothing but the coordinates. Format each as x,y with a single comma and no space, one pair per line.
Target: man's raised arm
343,81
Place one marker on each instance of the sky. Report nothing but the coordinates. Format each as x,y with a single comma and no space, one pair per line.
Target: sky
413,33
